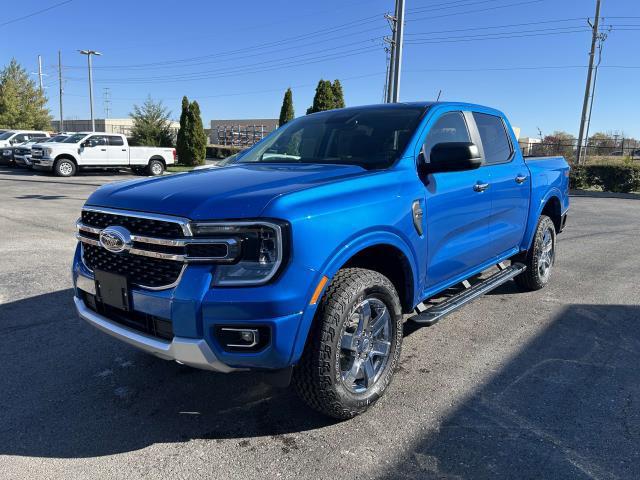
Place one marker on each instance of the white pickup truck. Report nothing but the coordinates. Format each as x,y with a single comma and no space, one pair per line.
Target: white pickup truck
100,150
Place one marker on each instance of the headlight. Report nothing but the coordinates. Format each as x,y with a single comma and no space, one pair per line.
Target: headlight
263,248
47,151
6,153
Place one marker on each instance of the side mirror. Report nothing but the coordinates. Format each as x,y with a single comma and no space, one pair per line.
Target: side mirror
84,145
451,157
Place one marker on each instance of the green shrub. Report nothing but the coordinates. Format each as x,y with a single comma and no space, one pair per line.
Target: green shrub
619,177
578,177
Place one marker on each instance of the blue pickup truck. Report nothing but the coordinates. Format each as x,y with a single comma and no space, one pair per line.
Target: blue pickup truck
304,256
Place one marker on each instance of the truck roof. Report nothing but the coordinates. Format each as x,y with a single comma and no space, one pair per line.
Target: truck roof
425,105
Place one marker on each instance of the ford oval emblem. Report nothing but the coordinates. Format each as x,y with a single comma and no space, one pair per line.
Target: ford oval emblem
115,239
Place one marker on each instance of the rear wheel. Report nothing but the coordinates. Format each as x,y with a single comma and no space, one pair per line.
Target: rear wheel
540,257
354,345
64,168
155,168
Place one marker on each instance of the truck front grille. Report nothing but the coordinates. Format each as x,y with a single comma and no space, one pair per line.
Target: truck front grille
141,271
136,225
155,248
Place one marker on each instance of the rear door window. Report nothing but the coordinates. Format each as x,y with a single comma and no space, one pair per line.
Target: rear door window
115,141
495,142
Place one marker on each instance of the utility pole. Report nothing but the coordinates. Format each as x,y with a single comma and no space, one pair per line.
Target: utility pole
391,41
398,49
60,87
587,90
40,72
89,54
106,99
601,38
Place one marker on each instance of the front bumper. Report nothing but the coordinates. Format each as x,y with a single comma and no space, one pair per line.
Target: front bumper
189,351
23,161
46,163
195,311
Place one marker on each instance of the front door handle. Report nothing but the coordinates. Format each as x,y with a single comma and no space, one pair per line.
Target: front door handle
521,178
480,187
124,149
103,149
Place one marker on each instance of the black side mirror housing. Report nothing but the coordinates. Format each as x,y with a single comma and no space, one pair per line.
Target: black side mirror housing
451,157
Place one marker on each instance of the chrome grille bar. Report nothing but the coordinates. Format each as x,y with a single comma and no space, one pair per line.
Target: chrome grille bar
231,245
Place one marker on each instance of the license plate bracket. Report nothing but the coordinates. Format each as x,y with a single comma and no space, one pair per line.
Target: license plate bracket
112,289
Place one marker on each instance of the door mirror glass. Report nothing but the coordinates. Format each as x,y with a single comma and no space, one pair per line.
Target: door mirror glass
451,157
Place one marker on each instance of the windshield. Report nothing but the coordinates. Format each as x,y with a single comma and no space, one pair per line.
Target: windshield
371,137
75,138
6,135
57,138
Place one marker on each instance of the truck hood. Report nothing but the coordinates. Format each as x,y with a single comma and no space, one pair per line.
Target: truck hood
237,191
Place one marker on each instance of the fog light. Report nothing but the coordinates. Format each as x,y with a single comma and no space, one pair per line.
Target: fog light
242,337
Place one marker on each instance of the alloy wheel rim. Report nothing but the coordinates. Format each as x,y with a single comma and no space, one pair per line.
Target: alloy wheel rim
365,345
155,168
546,255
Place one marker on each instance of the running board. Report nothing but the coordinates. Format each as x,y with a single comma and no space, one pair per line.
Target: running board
431,315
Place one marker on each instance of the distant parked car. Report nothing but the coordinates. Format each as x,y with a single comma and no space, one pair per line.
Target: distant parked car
101,150
22,153
16,137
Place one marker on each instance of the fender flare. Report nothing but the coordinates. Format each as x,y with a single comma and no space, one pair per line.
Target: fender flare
534,216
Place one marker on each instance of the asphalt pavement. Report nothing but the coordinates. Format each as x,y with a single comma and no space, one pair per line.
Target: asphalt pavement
515,385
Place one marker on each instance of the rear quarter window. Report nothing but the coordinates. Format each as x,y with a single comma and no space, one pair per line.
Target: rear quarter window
495,142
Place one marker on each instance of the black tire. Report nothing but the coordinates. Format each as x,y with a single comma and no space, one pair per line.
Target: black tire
64,168
535,259
318,378
155,168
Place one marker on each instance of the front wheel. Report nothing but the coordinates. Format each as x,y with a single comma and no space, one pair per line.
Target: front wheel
540,258
64,168
354,345
155,168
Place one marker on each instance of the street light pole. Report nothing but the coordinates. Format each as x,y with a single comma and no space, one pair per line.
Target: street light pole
89,53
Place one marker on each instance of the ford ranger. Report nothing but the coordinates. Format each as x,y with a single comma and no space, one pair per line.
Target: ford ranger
103,150
304,255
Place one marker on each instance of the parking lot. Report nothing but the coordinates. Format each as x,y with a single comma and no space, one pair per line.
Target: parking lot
516,385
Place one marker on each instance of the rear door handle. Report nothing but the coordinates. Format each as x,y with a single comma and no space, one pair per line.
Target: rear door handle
103,149
124,149
521,178
480,187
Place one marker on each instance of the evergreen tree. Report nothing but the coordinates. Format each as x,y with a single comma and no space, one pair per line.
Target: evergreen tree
338,95
196,138
22,104
286,112
182,146
151,124
323,99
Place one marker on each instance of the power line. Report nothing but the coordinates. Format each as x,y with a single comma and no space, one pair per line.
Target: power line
497,36
32,14
244,69
431,17
488,27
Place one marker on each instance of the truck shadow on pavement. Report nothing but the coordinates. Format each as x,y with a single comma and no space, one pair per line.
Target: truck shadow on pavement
566,406
70,391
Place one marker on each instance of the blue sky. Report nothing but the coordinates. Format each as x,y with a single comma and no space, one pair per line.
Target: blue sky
526,57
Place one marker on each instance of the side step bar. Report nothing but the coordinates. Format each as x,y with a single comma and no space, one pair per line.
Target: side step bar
431,315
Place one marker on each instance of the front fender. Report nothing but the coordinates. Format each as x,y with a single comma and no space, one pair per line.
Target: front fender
352,246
